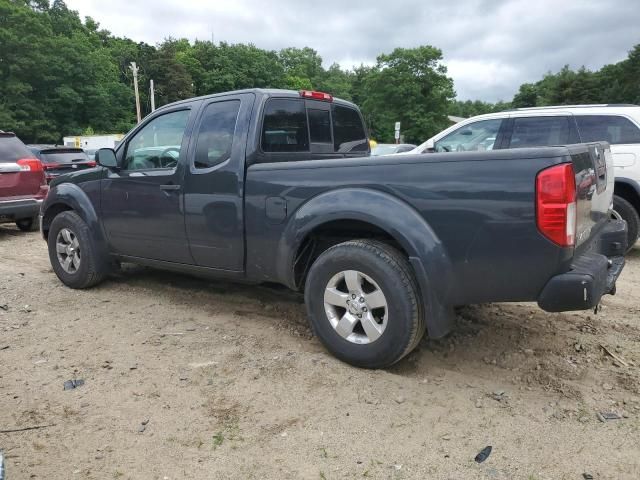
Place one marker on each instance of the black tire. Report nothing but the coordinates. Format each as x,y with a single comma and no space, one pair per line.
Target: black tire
92,269
387,267
628,213
27,224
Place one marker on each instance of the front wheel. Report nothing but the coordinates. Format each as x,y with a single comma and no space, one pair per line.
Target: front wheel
363,304
72,252
623,209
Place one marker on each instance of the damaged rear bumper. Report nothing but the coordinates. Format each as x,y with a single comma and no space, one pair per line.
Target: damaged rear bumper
592,274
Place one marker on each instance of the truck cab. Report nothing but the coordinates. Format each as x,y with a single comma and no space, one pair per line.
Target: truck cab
157,202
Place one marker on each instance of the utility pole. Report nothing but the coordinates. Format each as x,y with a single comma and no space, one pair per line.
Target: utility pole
134,69
152,96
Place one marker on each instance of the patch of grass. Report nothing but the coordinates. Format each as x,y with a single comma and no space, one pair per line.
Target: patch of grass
322,475
230,432
583,411
118,474
218,439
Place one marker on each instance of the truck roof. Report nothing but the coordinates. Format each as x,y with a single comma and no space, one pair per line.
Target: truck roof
267,92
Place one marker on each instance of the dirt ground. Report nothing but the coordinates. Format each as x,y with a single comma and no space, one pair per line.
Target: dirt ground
231,384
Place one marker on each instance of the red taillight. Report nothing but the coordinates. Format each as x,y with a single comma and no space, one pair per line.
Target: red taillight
91,163
316,95
556,204
30,165
51,166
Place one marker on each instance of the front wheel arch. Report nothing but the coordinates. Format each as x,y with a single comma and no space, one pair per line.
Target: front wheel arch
91,267
52,212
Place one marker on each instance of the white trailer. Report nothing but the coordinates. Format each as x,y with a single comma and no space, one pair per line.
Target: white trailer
93,142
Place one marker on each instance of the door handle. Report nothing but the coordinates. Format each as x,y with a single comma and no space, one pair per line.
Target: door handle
170,187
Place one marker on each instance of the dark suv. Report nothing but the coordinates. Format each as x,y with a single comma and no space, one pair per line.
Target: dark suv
22,183
58,160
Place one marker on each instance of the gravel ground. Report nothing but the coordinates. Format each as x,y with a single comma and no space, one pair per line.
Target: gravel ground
187,378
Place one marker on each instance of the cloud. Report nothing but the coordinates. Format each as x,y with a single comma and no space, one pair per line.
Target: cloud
489,46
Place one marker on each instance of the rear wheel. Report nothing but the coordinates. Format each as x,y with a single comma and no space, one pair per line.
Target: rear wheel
362,300
27,224
624,210
72,252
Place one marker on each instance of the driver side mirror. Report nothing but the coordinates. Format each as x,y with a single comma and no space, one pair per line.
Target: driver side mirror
106,157
429,146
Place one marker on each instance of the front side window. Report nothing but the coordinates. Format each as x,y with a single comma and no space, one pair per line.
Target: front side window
284,127
607,128
348,130
478,136
539,132
157,145
215,137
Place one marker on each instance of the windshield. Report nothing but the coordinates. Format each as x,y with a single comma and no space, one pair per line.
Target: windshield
383,150
62,156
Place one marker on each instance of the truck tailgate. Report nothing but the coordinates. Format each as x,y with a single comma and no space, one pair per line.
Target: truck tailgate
594,176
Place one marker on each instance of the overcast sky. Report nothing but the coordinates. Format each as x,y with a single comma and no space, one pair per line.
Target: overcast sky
490,46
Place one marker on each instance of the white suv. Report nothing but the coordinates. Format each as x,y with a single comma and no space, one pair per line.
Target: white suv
532,127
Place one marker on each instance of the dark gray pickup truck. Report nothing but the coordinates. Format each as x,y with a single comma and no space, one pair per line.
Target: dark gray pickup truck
278,186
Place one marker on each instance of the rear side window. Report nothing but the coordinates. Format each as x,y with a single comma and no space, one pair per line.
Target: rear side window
12,149
215,137
285,126
319,125
348,130
607,128
539,132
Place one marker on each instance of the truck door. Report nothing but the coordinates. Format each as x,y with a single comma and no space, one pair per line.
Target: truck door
214,183
142,201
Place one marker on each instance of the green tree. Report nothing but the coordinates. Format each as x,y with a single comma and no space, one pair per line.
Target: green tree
171,79
301,65
410,86
471,108
335,81
527,96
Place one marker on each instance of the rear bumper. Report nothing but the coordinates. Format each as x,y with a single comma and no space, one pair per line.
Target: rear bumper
592,274
13,210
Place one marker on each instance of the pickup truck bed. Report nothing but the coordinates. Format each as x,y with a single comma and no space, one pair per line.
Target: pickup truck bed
474,232
383,247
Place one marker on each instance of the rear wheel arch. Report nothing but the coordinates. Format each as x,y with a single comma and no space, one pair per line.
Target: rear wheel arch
626,205
378,216
629,192
332,232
